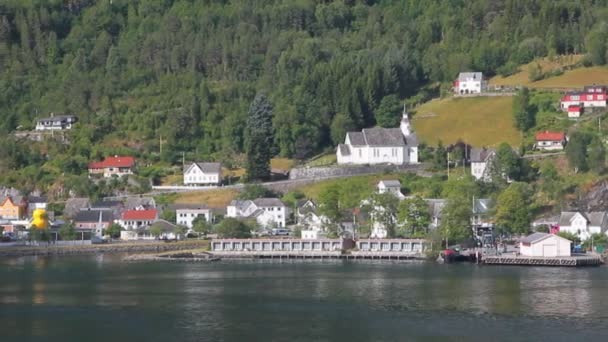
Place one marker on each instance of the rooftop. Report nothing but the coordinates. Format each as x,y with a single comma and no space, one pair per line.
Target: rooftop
148,215
116,161
550,136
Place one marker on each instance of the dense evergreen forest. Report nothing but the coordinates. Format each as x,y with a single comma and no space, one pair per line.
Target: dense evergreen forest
183,73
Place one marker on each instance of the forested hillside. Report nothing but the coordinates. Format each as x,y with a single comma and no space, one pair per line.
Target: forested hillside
138,71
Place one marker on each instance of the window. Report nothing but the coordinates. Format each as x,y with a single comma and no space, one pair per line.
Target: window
359,153
600,97
590,97
574,98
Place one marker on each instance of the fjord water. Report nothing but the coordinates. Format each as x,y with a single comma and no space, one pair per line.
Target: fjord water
99,298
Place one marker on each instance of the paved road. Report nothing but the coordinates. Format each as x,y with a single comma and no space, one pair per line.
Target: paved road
273,185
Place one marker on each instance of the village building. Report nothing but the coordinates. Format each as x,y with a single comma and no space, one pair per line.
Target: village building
545,245
481,214
140,203
391,186
113,166
59,122
470,83
13,207
550,141
435,210
168,231
575,111
481,159
591,97
93,222
313,223
398,146
133,219
203,174
36,202
583,224
74,205
186,214
268,212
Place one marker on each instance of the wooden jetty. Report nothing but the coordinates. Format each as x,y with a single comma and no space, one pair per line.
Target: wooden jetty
572,261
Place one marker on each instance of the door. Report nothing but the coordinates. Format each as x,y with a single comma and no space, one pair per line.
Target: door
549,251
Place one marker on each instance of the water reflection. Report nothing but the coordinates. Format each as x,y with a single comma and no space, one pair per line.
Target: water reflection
305,301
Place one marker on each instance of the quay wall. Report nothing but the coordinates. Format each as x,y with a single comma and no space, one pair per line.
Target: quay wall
105,248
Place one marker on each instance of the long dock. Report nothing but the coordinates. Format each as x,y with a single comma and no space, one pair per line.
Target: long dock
320,255
572,261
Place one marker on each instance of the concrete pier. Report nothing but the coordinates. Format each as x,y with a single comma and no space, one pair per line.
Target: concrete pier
369,249
572,261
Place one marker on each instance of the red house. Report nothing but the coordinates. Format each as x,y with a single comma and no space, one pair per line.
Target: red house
110,166
590,97
550,141
132,219
575,111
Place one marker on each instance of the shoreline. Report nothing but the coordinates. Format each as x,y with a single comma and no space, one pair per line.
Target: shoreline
110,248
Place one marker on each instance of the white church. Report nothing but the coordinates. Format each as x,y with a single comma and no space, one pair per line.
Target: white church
398,146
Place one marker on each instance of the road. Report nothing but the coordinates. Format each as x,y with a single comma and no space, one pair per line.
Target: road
275,185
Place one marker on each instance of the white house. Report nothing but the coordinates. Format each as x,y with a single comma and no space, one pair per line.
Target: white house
133,219
550,141
545,245
268,212
379,145
470,83
185,215
56,123
481,158
203,174
583,224
392,186
307,215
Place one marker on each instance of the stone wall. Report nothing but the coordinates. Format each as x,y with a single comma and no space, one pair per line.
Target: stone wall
302,173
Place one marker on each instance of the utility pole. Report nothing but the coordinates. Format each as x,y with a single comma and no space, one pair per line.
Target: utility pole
448,159
183,160
160,142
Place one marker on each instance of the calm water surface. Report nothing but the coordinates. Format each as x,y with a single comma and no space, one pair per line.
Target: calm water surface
99,298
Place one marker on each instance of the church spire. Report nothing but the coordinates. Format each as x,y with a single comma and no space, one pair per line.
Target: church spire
405,126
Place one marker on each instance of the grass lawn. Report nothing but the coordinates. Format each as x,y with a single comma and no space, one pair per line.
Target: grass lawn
575,78
312,191
282,164
217,198
325,160
480,121
172,180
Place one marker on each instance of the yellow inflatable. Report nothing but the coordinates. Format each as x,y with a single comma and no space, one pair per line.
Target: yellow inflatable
40,219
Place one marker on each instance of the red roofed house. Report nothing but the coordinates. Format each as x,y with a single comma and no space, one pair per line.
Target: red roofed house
111,166
590,97
575,111
133,219
550,141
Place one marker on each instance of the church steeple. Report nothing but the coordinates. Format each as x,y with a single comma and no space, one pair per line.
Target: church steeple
405,125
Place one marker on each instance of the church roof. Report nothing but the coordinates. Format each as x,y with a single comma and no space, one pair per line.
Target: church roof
383,136
344,149
356,138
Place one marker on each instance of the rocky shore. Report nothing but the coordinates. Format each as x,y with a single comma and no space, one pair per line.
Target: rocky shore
105,248
174,257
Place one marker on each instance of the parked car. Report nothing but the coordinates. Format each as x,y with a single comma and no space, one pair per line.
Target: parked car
280,232
96,240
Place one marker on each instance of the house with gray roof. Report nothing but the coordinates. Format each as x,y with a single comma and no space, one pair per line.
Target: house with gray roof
203,174
268,212
470,83
481,158
93,221
391,186
583,224
398,146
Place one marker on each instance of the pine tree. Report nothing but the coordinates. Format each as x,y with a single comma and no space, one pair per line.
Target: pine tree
260,135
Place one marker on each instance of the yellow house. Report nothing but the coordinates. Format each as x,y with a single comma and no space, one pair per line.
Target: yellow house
12,208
